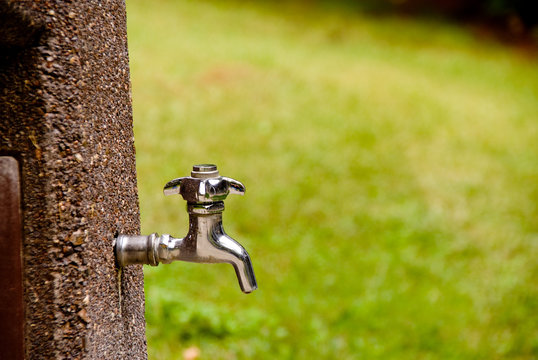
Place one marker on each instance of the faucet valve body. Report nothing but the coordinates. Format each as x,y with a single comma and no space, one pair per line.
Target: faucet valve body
206,241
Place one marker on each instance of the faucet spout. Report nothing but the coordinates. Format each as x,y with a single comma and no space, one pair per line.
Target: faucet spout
230,251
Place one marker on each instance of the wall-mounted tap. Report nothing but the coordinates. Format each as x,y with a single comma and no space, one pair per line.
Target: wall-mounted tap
206,241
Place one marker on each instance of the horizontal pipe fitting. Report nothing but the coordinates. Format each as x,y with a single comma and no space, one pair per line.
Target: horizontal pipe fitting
136,249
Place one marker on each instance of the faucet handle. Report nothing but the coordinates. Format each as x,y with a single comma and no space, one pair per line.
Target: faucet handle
235,186
173,186
204,185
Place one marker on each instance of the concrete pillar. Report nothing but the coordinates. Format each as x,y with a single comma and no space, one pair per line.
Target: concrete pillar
65,117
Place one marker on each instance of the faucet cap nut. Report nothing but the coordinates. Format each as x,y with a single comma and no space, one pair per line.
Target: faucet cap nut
204,171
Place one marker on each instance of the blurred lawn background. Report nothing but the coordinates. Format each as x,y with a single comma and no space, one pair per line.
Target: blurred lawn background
391,172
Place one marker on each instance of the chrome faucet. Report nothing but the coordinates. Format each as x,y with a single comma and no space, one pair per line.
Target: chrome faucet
206,241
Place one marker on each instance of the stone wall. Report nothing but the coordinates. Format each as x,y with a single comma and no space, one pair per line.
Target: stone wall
65,115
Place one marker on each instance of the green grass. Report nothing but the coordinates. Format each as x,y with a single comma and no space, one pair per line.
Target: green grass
391,169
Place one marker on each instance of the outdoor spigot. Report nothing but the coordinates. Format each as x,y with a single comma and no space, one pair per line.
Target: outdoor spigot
206,241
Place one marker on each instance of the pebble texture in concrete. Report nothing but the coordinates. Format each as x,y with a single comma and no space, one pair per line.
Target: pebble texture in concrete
65,114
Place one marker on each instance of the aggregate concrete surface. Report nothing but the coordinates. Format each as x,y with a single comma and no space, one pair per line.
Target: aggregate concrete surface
65,114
